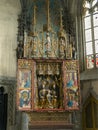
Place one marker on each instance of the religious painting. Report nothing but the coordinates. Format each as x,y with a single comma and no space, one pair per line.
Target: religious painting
25,99
49,87
24,84
25,81
71,85
72,89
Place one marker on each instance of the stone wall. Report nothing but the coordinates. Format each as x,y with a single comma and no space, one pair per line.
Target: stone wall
9,10
9,86
87,87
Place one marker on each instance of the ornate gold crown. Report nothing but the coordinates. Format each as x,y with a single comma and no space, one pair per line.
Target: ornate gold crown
62,33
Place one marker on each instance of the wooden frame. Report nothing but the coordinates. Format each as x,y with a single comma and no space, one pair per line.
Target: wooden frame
71,85
25,82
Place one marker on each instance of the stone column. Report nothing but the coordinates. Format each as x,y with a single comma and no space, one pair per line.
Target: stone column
25,121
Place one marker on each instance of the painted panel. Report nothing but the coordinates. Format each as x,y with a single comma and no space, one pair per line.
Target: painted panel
71,85
25,81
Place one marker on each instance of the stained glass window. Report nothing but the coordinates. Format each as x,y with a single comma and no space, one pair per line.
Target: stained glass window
90,62
94,2
88,36
96,46
87,4
97,60
91,33
87,22
89,49
95,19
96,32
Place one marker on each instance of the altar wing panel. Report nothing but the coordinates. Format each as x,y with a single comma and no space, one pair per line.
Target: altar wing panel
71,84
25,83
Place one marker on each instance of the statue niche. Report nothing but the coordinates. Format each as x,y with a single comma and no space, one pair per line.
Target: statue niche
49,86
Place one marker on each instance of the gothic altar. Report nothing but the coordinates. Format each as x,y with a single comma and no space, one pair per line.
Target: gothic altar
46,84
48,69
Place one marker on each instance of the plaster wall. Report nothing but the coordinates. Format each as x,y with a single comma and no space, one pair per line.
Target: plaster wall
89,86
9,10
95,86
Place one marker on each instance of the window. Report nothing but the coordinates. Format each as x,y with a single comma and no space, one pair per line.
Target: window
90,22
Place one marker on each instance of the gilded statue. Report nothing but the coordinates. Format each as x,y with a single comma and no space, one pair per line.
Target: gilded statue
48,45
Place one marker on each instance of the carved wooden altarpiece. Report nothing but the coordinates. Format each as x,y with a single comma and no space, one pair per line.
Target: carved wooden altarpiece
48,85
48,72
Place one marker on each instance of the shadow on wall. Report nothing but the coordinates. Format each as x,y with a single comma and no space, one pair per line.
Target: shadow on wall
3,108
